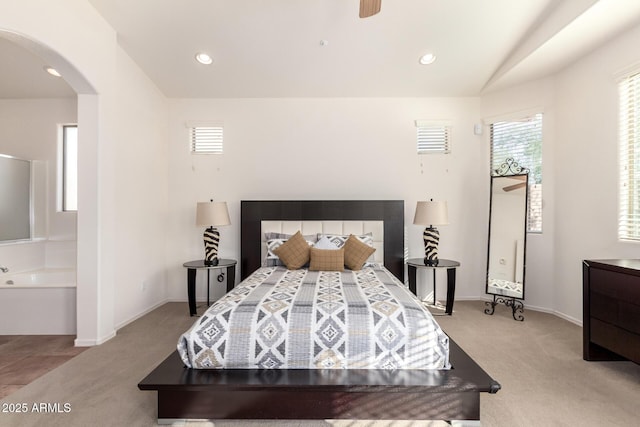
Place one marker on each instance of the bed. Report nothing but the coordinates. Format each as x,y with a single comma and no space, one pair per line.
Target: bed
421,394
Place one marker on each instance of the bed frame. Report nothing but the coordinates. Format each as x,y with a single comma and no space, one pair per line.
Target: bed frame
321,394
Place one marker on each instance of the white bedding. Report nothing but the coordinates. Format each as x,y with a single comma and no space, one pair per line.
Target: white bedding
300,319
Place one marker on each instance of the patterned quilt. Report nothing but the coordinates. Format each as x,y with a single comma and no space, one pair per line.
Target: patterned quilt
300,319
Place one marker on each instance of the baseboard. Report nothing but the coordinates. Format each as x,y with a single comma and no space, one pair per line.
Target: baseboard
573,320
528,307
139,315
91,343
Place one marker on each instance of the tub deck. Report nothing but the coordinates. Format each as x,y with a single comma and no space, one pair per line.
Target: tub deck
38,302
41,278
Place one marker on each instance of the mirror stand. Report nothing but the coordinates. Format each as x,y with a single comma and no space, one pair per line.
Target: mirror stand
507,237
517,306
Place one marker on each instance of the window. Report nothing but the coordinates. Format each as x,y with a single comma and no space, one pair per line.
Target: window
206,139
433,137
70,168
522,140
629,152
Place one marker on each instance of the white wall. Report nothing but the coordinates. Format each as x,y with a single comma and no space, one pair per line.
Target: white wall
580,171
313,148
132,186
587,166
77,41
141,182
29,130
82,47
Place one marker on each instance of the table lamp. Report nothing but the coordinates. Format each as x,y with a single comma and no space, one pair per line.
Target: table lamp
431,213
212,214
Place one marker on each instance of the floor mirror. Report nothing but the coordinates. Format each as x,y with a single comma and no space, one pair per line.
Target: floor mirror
507,238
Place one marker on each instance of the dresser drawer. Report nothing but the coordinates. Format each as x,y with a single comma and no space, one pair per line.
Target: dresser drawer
620,286
611,309
616,339
615,311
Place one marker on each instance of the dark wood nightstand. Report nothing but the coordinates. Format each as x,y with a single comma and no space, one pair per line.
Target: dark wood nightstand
414,263
193,266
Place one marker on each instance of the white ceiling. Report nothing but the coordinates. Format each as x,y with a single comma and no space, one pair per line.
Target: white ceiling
22,75
273,48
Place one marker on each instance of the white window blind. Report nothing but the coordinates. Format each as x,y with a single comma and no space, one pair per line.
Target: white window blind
629,142
522,141
433,138
206,139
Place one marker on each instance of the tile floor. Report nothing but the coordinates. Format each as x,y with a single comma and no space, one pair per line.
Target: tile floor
23,358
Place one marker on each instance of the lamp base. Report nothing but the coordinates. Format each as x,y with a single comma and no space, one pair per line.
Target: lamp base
431,239
211,242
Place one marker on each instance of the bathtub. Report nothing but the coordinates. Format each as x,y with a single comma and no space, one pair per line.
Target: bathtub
38,302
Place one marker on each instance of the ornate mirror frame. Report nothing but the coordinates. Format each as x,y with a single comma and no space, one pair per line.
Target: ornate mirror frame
506,281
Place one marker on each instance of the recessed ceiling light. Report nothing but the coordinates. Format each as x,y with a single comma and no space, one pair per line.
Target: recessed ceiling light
52,71
427,58
204,58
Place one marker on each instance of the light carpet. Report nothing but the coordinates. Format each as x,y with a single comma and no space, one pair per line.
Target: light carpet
538,362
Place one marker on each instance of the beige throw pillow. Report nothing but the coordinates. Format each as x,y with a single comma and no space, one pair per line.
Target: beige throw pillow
326,259
356,253
294,253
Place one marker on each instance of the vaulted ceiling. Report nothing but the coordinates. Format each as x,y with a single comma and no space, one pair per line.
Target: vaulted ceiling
309,48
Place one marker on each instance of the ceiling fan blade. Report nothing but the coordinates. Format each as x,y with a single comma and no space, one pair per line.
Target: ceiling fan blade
514,186
369,7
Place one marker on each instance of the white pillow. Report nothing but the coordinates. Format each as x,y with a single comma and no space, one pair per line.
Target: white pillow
325,243
339,241
275,240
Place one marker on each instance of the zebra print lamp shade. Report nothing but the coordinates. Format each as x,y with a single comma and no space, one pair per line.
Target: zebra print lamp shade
212,214
431,213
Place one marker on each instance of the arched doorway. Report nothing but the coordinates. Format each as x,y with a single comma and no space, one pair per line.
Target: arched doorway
90,327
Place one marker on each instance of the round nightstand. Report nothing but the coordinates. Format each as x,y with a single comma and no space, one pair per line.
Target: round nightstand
414,263
192,268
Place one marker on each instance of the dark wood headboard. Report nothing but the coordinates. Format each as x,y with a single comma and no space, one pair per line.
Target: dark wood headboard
255,211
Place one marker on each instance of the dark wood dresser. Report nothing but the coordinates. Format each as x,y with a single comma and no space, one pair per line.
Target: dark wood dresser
611,310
